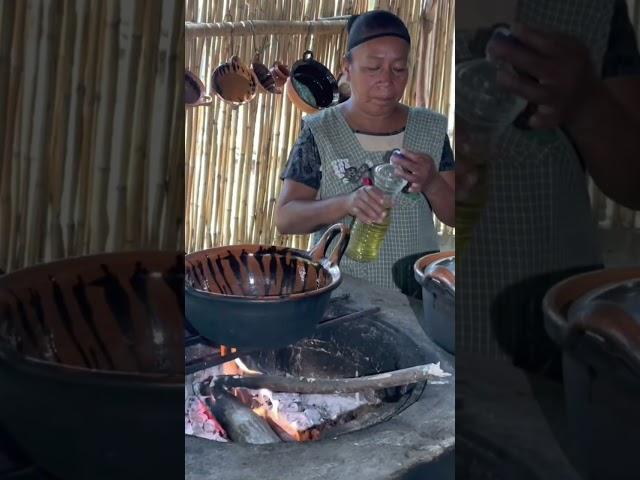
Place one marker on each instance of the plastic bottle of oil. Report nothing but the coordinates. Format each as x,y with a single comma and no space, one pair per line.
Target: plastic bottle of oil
483,110
366,239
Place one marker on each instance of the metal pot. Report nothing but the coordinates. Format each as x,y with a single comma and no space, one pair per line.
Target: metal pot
436,274
595,318
92,362
311,86
256,296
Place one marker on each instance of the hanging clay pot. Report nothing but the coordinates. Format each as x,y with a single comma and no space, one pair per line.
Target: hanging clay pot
194,91
311,86
266,82
280,73
234,83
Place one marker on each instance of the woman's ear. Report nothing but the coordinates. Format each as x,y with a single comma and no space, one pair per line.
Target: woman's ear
345,66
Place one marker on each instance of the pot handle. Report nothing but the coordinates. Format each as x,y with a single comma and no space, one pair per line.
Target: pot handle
442,276
307,55
614,326
235,62
319,251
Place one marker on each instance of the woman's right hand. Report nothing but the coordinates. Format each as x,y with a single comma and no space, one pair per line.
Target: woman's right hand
367,204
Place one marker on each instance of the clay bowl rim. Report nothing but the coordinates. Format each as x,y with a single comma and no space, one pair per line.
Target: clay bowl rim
423,262
321,71
66,372
336,93
333,270
296,99
561,296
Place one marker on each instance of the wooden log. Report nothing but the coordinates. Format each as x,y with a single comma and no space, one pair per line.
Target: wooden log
239,421
396,378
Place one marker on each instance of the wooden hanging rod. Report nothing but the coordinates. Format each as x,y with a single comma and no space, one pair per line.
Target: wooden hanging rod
265,27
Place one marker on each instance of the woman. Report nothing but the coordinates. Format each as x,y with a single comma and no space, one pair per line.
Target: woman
538,227
335,153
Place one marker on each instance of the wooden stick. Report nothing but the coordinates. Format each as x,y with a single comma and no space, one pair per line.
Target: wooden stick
406,376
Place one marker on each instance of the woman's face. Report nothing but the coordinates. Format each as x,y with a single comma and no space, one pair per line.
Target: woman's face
378,73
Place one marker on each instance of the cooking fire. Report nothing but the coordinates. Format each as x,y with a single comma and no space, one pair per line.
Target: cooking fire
232,402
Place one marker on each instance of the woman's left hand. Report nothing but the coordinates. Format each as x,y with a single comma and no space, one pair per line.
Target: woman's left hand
561,75
416,168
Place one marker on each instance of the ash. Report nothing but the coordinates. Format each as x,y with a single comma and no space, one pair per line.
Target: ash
301,411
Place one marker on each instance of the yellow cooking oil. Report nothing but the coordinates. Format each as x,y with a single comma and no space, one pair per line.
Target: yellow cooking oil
469,212
366,239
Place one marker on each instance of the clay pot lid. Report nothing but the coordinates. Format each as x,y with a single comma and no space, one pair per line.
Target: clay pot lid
234,83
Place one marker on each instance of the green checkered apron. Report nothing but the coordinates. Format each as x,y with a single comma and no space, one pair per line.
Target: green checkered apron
538,218
344,161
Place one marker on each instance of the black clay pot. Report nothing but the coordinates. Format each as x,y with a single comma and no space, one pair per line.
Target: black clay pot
92,365
311,86
256,296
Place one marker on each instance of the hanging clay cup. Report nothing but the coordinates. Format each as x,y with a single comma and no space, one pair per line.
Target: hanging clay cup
280,73
194,91
234,83
266,82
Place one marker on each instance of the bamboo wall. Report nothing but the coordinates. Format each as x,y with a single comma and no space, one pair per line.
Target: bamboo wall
235,155
91,127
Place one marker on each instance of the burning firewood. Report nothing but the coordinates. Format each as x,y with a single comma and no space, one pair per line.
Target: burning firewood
406,376
239,421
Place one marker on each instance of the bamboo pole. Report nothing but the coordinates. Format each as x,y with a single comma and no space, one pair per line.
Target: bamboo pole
76,124
12,15
89,108
28,103
136,228
108,84
128,89
60,129
7,17
174,213
159,140
262,27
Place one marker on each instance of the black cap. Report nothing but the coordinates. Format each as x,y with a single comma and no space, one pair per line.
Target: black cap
374,24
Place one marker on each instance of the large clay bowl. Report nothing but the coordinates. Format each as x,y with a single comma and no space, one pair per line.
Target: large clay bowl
257,296
92,364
